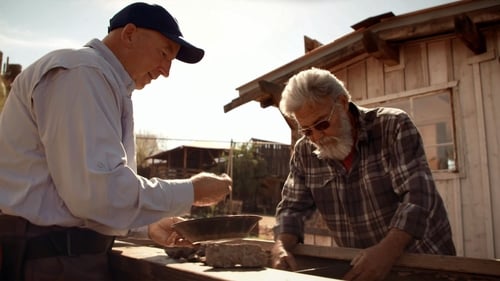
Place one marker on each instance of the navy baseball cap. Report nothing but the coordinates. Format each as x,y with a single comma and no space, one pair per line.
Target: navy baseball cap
155,17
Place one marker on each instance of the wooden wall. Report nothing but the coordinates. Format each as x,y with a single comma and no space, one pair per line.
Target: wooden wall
442,63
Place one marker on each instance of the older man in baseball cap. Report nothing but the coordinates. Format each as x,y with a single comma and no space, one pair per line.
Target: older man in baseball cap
156,18
164,43
68,179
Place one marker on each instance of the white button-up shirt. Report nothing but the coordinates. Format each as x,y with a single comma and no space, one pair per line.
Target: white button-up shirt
67,151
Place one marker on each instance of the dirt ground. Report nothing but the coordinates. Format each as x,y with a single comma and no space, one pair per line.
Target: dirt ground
266,227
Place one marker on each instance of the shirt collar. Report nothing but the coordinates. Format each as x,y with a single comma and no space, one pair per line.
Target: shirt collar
106,53
363,121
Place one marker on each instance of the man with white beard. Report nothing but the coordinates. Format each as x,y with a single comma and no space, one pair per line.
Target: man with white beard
365,171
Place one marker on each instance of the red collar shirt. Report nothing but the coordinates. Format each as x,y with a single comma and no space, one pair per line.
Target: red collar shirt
389,185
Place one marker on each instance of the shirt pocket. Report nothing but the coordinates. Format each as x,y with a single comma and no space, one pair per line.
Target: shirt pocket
327,190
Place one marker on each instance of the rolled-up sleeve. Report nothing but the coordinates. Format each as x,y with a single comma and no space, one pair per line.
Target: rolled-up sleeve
297,203
412,179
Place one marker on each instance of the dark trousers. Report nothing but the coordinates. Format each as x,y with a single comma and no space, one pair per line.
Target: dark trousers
32,252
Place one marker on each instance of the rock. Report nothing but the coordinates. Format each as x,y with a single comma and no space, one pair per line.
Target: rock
235,255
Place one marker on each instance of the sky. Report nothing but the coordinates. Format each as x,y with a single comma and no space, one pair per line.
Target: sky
242,39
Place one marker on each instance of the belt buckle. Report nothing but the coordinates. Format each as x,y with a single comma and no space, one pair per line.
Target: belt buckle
62,242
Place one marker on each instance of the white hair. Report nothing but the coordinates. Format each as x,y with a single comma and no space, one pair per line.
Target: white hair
310,86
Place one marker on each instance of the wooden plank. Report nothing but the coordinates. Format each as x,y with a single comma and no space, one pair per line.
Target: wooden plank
451,193
372,21
438,21
438,61
374,78
491,85
342,76
394,81
468,164
337,269
410,93
136,262
420,261
356,80
483,153
416,75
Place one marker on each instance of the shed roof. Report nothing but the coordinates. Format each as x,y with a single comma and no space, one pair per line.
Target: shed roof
369,35
209,146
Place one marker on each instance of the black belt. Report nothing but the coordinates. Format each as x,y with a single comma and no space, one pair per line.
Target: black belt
51,241
68,242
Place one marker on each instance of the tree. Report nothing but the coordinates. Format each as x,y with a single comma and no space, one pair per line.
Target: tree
248,171
146,145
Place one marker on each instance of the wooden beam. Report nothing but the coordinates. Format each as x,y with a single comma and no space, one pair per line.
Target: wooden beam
372,21
468,32
311,44
488,267
251,95
267,102
380,49
273,90
420,261
412,26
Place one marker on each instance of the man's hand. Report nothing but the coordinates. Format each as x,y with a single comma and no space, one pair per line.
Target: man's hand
209,188
375,263
281,257
162,233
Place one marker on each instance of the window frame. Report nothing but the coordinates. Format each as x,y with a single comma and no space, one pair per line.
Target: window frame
452,88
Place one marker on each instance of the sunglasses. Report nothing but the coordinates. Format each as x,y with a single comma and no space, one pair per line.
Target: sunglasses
318,126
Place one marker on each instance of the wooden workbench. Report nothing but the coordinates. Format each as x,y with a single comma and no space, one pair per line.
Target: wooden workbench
139,262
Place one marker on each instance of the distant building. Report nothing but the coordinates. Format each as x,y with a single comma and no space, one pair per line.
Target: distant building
186,160
189,159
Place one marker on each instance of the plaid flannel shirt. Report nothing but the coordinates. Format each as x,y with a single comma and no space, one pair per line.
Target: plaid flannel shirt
388,186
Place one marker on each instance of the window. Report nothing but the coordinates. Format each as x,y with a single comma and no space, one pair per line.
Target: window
433,115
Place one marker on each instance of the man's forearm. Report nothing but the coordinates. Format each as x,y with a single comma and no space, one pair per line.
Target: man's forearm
288,241
396,241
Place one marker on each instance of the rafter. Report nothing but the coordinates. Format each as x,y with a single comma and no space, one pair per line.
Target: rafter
380,49
469,33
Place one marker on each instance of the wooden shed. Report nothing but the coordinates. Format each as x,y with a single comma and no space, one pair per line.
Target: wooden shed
441,65
186,160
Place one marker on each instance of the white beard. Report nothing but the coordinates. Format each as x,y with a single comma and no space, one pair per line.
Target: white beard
339,147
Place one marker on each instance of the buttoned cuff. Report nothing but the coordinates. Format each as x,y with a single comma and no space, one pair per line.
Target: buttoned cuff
139,233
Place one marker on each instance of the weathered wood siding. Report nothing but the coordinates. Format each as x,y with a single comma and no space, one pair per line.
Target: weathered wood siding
442,63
